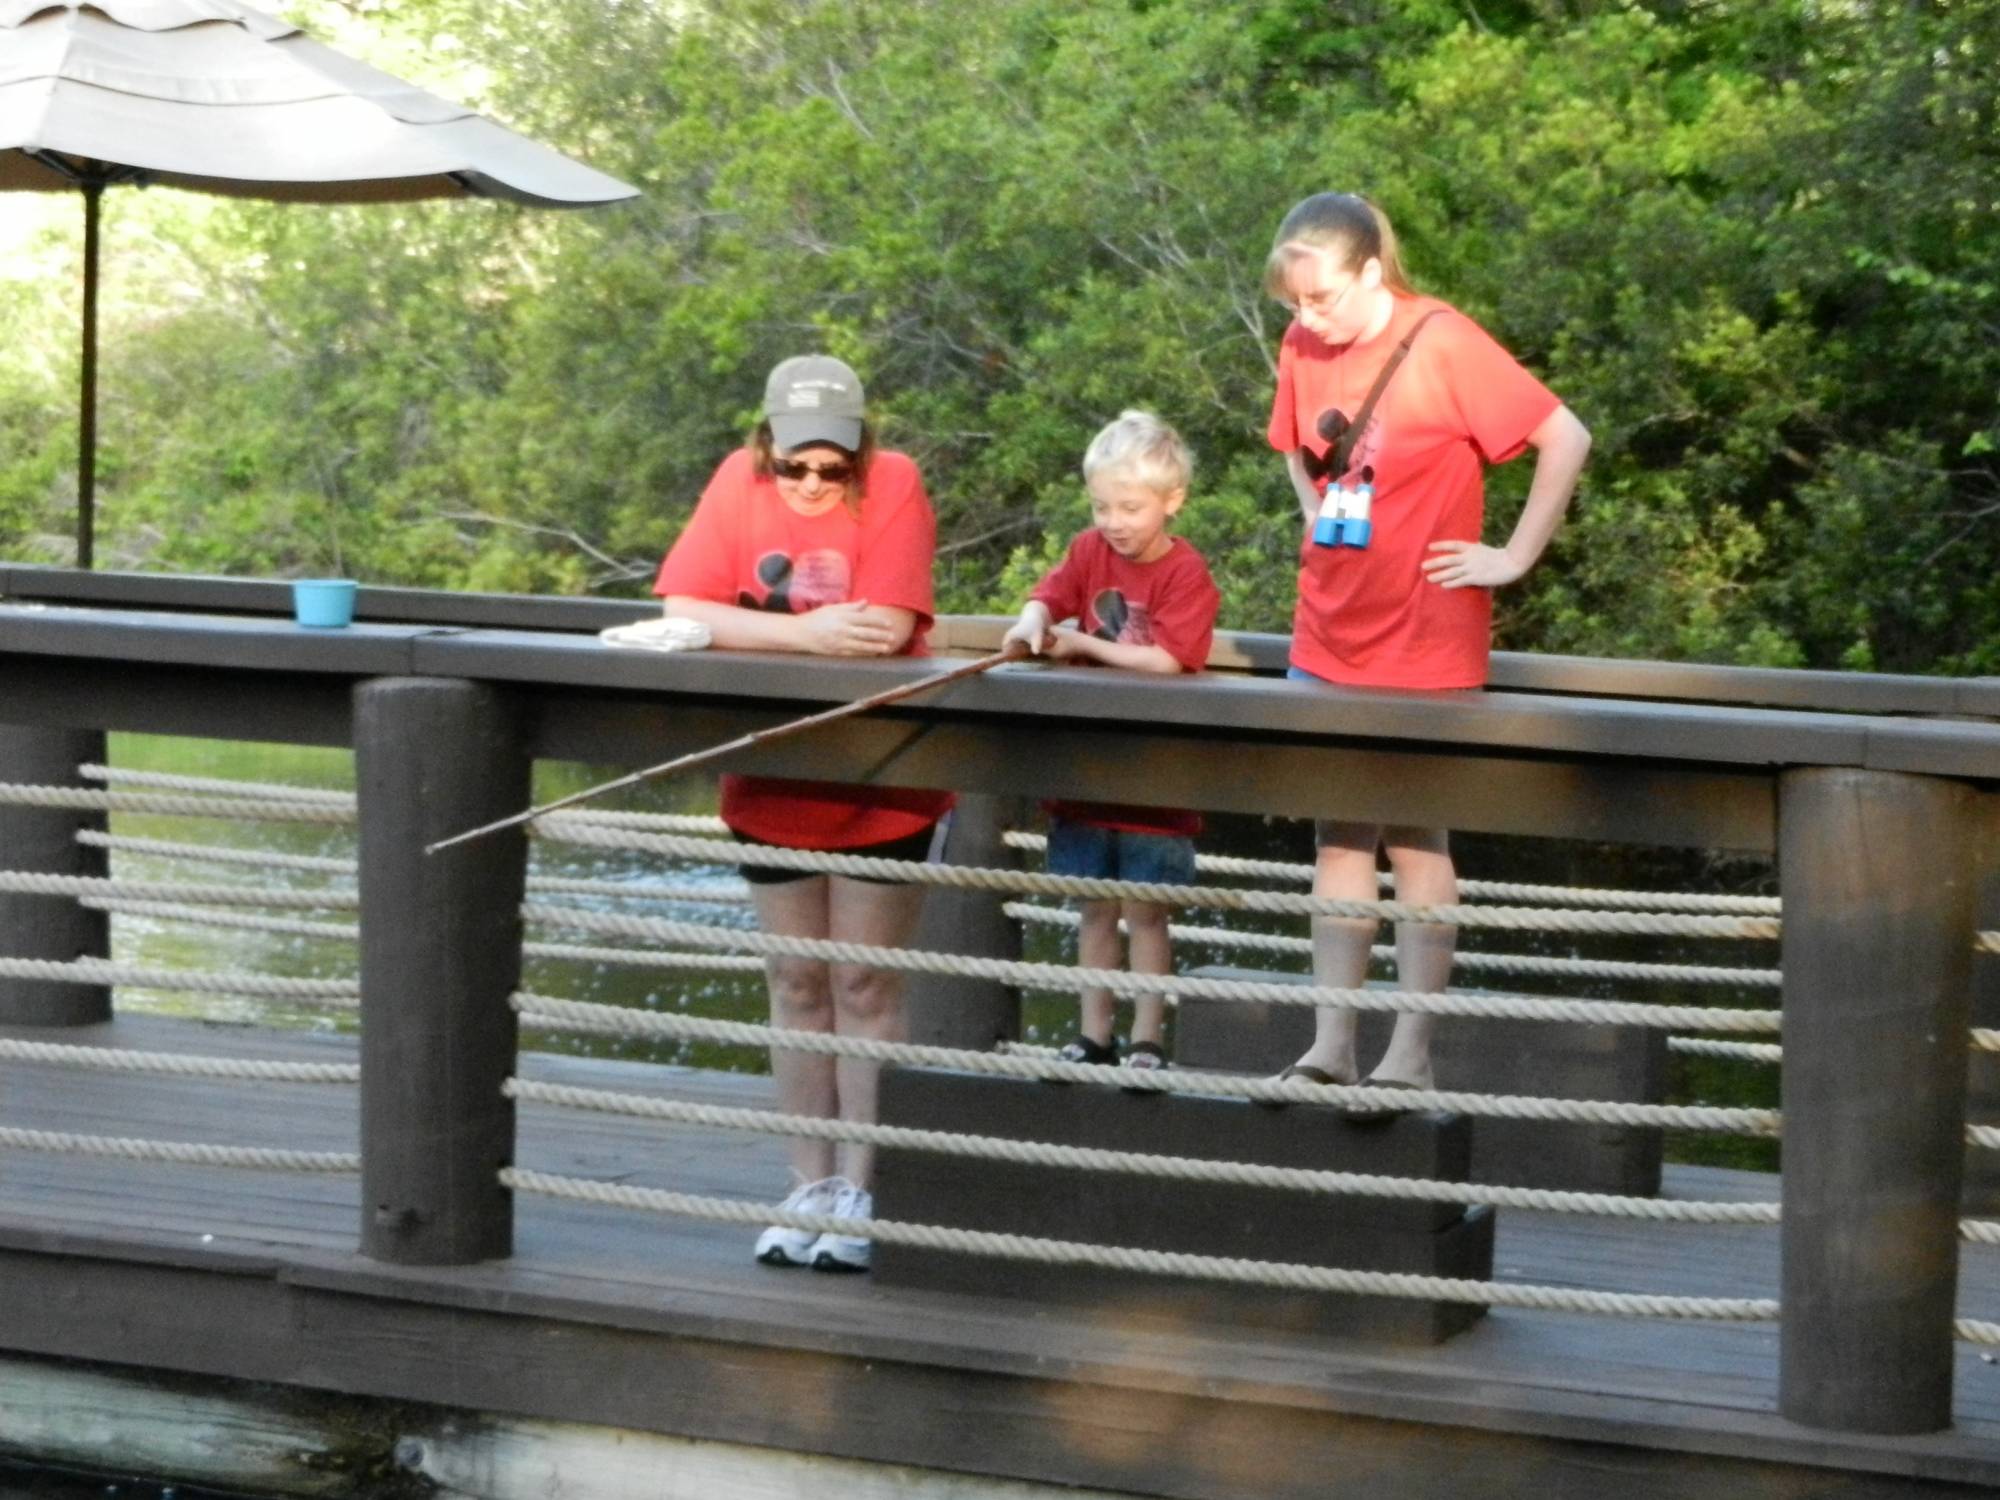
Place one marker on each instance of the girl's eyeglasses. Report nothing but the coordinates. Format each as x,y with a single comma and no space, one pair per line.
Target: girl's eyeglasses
791,468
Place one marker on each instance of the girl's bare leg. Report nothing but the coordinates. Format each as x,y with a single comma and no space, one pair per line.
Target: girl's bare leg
1344,871
1421,859
801,1000
1098,946
867,1002
1152,953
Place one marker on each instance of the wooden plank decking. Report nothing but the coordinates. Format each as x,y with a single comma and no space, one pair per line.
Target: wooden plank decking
648,1321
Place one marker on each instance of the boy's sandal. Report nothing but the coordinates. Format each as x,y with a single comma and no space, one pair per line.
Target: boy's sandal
1147,1057
1081,1049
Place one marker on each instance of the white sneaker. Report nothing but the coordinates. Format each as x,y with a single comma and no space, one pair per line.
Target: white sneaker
846,1252
782,1246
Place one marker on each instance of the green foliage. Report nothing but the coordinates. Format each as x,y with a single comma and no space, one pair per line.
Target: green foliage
1753,245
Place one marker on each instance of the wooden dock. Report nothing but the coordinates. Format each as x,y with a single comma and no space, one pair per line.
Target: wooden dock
663,1324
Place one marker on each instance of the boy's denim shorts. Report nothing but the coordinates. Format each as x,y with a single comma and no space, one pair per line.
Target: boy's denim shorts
1112,854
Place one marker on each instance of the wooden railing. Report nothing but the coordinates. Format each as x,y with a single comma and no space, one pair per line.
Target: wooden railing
1880,797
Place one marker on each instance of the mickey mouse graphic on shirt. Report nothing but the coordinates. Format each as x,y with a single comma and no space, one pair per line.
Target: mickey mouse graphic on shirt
794,586
1115,618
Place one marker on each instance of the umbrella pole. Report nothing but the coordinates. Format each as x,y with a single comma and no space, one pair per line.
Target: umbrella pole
86,442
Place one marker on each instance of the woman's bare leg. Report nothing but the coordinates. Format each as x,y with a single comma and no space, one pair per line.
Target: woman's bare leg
801,1000
1421,859
867,1002
1343,871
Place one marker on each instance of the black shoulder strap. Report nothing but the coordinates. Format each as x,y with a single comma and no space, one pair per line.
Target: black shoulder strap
1344,450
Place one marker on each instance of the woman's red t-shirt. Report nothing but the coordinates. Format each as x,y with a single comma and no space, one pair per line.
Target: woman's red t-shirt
745,546
1369,616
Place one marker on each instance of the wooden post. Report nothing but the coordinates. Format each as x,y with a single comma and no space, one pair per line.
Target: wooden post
1982,1102
43,840
1878,875
440,954
944,1010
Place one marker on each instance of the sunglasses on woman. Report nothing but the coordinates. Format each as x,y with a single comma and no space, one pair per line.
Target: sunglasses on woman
833,473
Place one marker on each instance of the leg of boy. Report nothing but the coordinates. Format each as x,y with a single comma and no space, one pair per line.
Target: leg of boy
1421,859
1343,871
1098,947
1152,953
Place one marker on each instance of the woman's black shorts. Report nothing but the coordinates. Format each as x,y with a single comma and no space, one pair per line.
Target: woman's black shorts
915,846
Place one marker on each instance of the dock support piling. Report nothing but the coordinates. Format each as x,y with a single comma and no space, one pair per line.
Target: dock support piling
1878,875
946,1010
1982,1104
440,954
43,840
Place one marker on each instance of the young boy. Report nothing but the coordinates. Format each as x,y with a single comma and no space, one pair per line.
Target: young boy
1143,600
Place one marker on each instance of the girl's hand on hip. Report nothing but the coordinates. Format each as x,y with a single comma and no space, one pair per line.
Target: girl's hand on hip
847,629
1467,565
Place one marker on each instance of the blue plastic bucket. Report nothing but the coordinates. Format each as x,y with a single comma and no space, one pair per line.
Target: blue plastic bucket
323,603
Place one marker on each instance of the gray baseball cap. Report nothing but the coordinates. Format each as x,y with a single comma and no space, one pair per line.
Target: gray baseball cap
813,398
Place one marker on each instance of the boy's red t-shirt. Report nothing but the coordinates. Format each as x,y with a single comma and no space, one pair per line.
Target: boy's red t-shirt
745,546
1170,602
1369,616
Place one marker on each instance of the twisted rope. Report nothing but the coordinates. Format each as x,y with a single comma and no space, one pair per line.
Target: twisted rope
1150,1262
178,1064
186,981
616,1020
968,877
27,883
215,854
697,963
208,916
283,791
1496,890
1985,1040
1273,942
733,893
1175,1168
1984,1136
84,799
1979,1231
185,1152
695,823
1971,1331
1067,978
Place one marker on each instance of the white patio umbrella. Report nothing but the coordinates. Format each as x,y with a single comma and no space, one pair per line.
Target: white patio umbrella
218,98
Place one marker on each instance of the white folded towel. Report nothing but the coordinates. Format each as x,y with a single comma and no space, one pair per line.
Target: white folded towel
665,633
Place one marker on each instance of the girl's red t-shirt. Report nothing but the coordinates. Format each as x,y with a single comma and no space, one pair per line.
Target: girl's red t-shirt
1368,616
745,546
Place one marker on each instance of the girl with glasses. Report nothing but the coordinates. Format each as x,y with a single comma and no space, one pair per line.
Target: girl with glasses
811,539
1395,581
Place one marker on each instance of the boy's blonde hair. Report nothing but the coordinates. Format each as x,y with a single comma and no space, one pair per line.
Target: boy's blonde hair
1140,447
1345,226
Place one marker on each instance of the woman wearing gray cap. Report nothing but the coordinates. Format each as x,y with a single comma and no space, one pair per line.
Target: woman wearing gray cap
812,539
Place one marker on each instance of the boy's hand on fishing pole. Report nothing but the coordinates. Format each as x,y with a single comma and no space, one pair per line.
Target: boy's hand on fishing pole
1031,630
848,629
1461,565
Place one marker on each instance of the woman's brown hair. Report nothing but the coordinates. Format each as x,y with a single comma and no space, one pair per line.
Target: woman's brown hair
764,449
1343,225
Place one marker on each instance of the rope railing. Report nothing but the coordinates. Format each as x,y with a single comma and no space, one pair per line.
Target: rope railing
225,786
972,877
614,1020
29,883
183,1153
345,992
1497,890
1151,1262
83,799
1524,963
1699,1046
1065,978
1174,1168
177,1064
